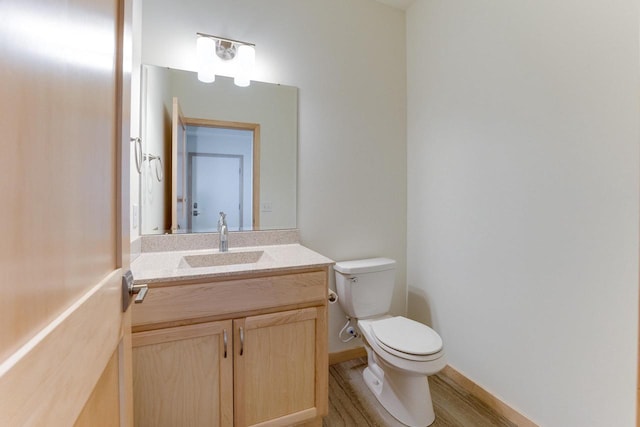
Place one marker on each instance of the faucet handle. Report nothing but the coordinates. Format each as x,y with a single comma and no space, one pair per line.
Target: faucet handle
222,221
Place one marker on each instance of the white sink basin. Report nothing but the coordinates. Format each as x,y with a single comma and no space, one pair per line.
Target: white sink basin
220,258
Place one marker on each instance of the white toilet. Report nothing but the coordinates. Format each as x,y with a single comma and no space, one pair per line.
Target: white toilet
401,352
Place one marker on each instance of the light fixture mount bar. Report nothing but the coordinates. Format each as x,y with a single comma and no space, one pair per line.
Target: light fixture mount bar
225,39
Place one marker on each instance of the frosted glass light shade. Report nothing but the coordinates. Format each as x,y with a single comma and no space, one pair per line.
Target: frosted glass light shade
206,48
246,58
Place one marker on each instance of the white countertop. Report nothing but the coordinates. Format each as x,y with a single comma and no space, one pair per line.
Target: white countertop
169,266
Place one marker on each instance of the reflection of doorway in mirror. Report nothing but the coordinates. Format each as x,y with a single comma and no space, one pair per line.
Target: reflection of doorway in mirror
220,177
215,185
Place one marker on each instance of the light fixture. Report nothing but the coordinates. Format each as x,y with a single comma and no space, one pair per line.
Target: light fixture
246,61
206,63
227,57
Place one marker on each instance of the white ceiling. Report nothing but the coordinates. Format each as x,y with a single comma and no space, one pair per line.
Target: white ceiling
400,4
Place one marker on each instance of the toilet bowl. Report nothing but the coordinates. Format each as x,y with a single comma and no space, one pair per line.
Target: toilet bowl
399,379
401,352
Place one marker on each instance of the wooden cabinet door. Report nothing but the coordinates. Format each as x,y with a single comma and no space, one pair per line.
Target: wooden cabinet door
183,376
280,368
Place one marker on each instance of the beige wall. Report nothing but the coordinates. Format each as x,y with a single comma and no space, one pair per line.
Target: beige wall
523,195
348,60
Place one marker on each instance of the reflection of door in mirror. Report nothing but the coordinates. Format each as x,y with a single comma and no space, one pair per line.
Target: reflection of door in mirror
215,185
222,174
178,159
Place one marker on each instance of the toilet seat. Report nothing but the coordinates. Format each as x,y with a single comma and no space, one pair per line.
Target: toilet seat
416,364
406,338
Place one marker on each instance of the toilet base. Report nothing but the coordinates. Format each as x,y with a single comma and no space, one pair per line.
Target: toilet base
405,396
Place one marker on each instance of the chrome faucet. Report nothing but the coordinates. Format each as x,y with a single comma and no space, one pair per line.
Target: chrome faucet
223,232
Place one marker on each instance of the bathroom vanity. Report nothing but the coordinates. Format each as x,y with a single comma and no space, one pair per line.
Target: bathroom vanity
234,338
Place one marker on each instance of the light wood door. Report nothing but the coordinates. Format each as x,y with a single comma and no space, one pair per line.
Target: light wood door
183,376
280,368
64,340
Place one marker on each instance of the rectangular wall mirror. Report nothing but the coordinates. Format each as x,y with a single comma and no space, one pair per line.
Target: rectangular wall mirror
211,147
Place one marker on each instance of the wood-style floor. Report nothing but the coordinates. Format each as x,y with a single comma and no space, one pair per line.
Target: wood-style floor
351,404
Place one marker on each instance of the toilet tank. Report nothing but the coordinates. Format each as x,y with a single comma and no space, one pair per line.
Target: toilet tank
365,286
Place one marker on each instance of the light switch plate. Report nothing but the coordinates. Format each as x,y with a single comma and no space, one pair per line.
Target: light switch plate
134,216
266,207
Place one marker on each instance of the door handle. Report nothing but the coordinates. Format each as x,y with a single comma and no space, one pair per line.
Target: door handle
129,290
224,337
140,291
241,341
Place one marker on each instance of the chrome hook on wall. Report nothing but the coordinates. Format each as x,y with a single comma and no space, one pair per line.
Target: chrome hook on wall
138,152
159,165
141,157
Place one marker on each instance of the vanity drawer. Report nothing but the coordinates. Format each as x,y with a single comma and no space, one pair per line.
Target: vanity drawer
179,302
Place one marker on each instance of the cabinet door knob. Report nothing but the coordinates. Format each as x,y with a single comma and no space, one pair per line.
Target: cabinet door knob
241,341
224,338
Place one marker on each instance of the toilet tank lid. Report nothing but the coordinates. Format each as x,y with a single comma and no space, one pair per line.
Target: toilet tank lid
369,265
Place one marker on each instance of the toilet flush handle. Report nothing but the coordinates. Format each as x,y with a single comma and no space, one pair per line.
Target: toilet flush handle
354,280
